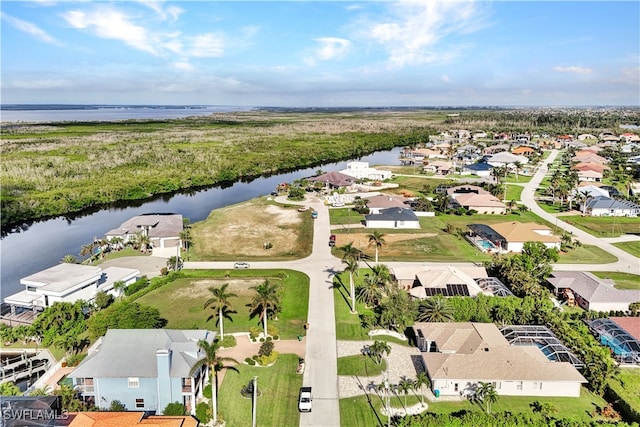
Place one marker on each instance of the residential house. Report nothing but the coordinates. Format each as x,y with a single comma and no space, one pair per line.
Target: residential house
589,175
486,204
361,170
158,374
385,201
591,191
458,356
393,218
68,282
481,169
587,137
444,280
583,166
630,137
439,167
523,150
604,206
334,180
493,149
127,419
506,159
587,156
511,236
406,277
592,293
163,231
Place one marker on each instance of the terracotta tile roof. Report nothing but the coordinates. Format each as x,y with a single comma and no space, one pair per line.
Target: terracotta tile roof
629,324
128,419
473,200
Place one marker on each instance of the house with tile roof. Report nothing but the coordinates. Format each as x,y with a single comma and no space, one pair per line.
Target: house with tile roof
486,204
334,180
159,373
523,150
589,175
163,231
385,201
592,293
458,356
393,218
127,419
511,236
586,156
605,206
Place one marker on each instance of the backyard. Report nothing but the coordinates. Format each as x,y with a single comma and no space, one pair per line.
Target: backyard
181,302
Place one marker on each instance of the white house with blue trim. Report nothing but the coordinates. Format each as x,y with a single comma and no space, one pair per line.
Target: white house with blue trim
145,369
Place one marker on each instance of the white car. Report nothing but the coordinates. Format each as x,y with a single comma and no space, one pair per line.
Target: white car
241,265
304,399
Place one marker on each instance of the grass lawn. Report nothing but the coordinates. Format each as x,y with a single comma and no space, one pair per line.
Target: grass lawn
278,402
126,252
348,325
627,385
416,184
344,216
632,247
586,254
513,192
360,365
604,226
577,409
623,280
181,302
522,179
358,411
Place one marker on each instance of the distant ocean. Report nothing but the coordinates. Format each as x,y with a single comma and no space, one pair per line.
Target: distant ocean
46,113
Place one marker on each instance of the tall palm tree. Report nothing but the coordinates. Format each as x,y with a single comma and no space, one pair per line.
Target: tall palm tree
487,393
219,303
86,250
421,380
435,309
266,298
405,385
352,268
376,238
212,362
378,349
350,252
369,291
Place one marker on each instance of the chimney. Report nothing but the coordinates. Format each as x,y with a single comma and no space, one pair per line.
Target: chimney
163,361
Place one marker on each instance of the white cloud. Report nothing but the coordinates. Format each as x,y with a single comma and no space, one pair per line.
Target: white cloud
183,66
172,12
39,84
629,75
445,78
112,24
30,28
418,28
206,46
328,48
576,69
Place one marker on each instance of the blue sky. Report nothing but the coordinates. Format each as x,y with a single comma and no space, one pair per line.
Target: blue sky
310,53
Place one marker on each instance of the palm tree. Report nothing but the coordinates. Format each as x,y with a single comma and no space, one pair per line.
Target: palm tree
487,394
86,250
267,298
546,409
352,268
69,259
119,287
214,363
376,239
174,263
369,291
405,386
421,380
517,165
219,303
350,252
378,349
435,309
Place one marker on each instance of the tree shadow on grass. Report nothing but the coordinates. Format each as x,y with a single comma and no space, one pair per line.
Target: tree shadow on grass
337,284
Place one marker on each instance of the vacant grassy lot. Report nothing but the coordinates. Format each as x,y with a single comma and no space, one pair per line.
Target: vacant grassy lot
363,411
632,247
586,254
603,226
240,231
623,280
278,402
181,302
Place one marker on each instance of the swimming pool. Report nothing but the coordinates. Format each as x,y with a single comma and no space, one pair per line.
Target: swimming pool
485,244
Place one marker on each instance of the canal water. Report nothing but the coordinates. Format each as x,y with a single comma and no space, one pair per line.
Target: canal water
43,244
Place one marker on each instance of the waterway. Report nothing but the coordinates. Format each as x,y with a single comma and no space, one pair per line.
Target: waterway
43,244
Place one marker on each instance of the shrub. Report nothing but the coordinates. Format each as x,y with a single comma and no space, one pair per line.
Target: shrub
269,339
253,333
75,359
175,408
276,337
139,284
272,330
266,348
229,341
268,360
261,339
203,412
117,406
250,361
164,271
206,392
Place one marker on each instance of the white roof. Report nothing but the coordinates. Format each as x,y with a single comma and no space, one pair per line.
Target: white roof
62,277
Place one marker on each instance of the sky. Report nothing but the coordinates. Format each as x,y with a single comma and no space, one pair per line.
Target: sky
321,54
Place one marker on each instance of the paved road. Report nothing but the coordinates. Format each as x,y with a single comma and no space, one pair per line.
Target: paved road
626,262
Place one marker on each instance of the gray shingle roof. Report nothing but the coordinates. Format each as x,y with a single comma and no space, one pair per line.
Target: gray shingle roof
602,202
393,214
127,353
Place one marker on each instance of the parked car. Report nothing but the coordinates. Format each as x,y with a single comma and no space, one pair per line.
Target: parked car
241,265
304,399
338,204
332,243
314,214
332,237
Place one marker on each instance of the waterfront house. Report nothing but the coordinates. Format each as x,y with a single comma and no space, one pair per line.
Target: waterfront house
361,170
163,231
158,374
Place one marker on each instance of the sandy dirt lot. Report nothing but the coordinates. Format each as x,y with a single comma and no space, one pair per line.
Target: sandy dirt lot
361,241
244,229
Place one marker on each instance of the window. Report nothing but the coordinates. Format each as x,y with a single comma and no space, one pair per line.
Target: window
519,385
134,382
139,403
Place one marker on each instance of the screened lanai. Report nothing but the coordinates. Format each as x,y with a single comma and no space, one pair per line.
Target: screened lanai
494,285
542,338
624,347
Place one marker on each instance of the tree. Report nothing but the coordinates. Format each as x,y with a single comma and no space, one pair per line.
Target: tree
117,406
376,239
351,268
219,303
435,309
175,409
487,394
212,362
405,385
369,291
10,389
42,391
267,298
397,311
103,300
69,398
517,165
69,259
119,287
174,263
546,409
124,315
421,380
378,349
